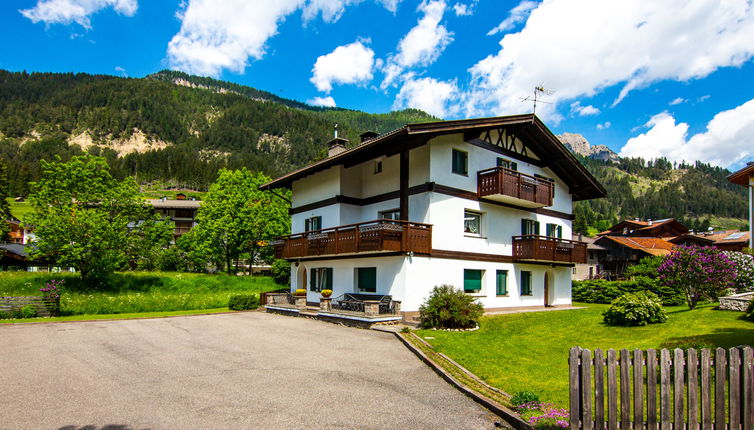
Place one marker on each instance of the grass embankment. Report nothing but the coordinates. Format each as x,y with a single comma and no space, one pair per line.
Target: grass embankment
529,351
139,292
137,315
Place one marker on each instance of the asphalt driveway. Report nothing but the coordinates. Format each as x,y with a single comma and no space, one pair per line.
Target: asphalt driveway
247,370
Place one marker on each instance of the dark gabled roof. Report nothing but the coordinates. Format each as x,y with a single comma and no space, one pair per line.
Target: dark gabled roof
742,176
529,128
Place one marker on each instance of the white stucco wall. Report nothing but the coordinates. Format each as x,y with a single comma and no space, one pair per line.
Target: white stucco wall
411,279
317,187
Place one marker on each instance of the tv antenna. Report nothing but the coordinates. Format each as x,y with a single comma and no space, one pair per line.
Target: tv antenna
539,92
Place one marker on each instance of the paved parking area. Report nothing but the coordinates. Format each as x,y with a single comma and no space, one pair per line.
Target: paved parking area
246,370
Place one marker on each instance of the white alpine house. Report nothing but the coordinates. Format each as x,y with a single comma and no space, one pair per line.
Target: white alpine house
481,204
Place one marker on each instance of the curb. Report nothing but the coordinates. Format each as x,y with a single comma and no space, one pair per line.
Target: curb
503,412
123,319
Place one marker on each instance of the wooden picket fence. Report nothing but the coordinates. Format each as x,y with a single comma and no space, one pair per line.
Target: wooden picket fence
706,389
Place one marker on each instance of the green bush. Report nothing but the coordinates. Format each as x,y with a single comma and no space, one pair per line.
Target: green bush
523,397
28,311
242,302
281,272
633,309
450,308
604,292
687,343
5,315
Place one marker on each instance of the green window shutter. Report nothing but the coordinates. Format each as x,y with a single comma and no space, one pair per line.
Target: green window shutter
459,162
548,230
500,162
472,280
524,227
367,278
536,228
525,283
501,282
560,232
317,223
328,278
307,224
313,279
514,165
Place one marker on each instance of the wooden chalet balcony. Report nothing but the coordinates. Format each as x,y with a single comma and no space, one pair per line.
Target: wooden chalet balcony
510,186
372,236
179,231
543,248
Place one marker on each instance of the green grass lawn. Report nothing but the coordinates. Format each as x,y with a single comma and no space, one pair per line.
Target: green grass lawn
529,351
137,292
19,210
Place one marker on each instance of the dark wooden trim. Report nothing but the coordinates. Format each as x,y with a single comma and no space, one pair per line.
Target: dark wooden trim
423,188
508,153
489,258
348,256
418,189
403,191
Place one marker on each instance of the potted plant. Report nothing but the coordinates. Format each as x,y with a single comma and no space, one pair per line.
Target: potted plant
300,292
326,293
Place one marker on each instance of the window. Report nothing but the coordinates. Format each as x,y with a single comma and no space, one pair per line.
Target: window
320,278
529,226
502,162
472,222
460,162
554,230
313,223
378,167
472,281
394,214
525,283
501,282
366,279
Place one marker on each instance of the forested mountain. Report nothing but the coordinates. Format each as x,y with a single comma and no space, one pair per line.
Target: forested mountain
160,131
178,129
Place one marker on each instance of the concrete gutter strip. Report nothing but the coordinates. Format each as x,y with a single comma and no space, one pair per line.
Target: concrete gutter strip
506,414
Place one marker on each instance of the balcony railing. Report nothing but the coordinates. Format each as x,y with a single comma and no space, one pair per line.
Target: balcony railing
372,236
499,183
179,231
543,248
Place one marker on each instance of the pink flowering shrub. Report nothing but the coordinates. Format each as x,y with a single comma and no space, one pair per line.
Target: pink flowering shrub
51,292
700,272
544,416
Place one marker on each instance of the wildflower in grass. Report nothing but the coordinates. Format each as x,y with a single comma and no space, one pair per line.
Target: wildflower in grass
51,292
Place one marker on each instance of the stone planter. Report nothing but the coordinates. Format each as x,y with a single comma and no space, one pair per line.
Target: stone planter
371,308
300,301
736,302
325,304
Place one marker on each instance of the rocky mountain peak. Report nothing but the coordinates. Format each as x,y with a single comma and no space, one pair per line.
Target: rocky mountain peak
578,144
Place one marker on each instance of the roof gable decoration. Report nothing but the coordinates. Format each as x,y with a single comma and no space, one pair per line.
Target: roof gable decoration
507,140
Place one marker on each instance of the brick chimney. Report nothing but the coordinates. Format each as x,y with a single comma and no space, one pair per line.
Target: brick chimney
336,145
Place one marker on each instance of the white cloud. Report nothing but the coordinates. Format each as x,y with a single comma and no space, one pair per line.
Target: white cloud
677,101
322,101
422,45
724,143
347,64
121,70
704,97
604,126
223,35
462,9
581,48
391,5
428,94
78,11
515,16
579,110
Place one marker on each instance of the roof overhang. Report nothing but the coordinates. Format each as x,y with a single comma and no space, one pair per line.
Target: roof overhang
528,127
742,176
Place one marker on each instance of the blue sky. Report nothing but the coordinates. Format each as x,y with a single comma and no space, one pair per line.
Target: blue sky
667,78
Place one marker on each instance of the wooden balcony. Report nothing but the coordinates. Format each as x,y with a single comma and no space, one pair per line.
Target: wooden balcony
372,236
543,248
510,186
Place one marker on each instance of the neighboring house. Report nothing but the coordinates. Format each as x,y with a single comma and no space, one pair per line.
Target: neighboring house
18,233
745,178
481,204
726,240
595,254
664,228
623,251
15,256
181,212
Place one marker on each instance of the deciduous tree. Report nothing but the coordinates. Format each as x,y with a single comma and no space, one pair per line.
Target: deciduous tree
700,272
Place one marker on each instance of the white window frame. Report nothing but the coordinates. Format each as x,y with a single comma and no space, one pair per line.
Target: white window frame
480,215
